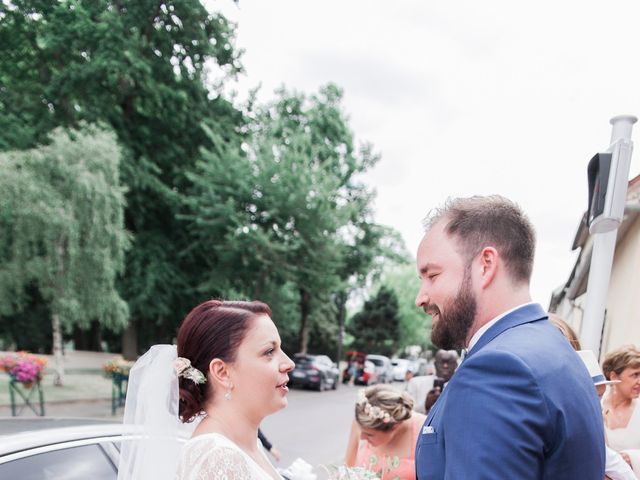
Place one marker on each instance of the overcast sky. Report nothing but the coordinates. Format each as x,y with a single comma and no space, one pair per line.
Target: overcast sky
462,98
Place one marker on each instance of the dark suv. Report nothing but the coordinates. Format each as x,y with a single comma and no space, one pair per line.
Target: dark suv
315,371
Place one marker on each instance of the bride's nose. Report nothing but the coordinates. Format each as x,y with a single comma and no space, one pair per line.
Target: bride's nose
287,364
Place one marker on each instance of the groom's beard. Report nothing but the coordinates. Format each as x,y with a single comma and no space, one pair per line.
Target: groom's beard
451,328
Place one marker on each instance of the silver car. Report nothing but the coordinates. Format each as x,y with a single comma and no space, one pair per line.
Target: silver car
53,448
383,367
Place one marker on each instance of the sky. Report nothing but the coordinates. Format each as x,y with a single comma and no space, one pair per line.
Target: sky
461,98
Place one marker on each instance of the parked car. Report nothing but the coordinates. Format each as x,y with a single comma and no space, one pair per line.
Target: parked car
314,371
367,374
400,367
355,363
53,448
383,367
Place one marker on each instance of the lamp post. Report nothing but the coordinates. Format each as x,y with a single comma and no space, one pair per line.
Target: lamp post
608,180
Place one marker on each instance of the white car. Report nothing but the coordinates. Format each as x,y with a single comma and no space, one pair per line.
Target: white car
400,367
383,367
51,448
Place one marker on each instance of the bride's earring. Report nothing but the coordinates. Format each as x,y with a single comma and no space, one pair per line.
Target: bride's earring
227,396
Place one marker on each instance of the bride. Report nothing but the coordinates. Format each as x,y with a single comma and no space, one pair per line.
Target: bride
227,374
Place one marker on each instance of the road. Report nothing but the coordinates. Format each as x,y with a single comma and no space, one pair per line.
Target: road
315,426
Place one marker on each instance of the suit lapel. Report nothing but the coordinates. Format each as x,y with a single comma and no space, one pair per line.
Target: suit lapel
527,314
436,406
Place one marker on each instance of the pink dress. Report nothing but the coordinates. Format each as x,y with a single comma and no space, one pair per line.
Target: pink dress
388,467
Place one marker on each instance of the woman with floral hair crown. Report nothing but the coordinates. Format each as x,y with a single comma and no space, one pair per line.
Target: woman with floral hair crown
227,373
384,433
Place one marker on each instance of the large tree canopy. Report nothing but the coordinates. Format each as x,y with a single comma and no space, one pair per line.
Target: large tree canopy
258,201
62,230
148,69
286,209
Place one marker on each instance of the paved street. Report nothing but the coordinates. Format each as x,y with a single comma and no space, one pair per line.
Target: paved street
314,427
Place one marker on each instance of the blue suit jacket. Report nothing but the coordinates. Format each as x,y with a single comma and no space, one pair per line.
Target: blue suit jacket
520,406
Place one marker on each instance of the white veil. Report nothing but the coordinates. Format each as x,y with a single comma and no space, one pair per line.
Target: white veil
151,410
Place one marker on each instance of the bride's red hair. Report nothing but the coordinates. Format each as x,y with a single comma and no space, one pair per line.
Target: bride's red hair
213,329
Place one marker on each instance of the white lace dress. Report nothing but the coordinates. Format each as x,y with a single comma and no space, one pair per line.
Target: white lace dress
213,456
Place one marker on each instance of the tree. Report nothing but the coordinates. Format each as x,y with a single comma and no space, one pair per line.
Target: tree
151,70
375,327
62,231
414,323
285,210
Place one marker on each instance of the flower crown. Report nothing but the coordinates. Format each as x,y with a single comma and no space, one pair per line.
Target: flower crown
371,411
184,369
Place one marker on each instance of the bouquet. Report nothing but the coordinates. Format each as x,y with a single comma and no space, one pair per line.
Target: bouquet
301,470
23,367
343,472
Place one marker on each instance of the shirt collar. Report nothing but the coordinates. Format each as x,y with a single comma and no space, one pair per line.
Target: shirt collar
476,336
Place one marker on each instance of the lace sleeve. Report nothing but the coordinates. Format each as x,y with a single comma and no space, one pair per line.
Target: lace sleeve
209,461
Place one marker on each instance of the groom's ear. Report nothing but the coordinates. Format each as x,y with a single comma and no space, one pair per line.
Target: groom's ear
488,263
219,372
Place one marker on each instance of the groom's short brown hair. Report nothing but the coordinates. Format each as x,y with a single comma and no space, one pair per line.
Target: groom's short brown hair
493,221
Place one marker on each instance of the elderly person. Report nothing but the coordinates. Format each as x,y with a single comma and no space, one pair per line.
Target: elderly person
384,432
620,404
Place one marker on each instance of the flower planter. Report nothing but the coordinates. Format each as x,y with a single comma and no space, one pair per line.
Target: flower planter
21,395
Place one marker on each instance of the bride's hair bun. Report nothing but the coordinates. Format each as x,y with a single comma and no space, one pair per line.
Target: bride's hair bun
213,329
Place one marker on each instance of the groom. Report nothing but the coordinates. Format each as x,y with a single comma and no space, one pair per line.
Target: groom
521,405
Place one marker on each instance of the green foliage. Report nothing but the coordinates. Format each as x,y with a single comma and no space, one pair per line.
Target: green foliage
263,203
414,324
376,327
136,63
145,68
28,329
61,228
286,207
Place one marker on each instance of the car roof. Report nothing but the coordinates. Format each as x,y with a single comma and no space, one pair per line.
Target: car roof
18,425
22,434
380,357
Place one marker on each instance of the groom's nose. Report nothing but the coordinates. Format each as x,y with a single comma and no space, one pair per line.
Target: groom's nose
422,299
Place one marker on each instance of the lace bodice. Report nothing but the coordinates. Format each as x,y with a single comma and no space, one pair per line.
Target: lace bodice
214,457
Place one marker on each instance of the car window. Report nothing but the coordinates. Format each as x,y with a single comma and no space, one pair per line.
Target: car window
76,463
376,362
302,360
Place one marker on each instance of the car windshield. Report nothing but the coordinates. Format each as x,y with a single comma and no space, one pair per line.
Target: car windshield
302,360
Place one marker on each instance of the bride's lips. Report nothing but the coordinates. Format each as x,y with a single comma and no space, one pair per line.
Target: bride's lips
282,387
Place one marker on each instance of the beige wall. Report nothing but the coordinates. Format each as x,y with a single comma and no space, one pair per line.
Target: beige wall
623,301
572,312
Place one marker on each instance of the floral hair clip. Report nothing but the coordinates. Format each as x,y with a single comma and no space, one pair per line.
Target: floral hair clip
373,412
184,369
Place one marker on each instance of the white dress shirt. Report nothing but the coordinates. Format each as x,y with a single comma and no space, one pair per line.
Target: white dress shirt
481,331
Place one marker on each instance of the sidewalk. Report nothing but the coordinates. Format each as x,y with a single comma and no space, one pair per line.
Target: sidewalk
86,391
